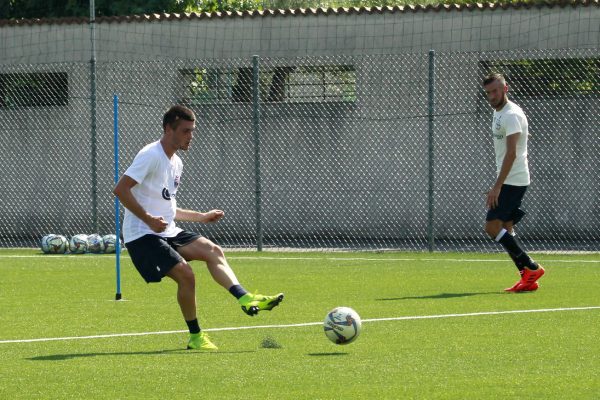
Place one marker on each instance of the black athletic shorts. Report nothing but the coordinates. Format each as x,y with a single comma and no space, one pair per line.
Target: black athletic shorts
509,202
154,256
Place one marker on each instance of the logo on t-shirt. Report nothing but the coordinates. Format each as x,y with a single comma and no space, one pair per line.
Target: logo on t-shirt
165,192
498,122
496,131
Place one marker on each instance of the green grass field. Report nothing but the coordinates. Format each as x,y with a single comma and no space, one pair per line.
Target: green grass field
551,354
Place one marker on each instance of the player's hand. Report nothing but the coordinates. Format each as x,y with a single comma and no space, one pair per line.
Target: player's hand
492,198
157,224
213,216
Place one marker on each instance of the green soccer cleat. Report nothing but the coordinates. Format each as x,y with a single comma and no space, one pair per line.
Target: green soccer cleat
200,341
253,303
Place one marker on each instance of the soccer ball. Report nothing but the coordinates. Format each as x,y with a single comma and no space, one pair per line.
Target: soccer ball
58,244
95,244
110,243
54,244
342,325
78,244
44,243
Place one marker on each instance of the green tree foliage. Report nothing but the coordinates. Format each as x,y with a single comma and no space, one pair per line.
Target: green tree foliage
43,8
549,77
16,9
59,8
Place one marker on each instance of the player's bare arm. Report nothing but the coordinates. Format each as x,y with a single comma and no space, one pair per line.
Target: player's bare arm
196,216
507,163
123,191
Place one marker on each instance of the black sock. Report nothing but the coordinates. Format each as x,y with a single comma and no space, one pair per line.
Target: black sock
533,265
193,326
238,291
519,267
515,250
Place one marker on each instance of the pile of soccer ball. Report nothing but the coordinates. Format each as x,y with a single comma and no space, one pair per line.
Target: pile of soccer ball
79,244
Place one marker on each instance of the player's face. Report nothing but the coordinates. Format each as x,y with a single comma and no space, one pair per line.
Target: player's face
183,134
496,93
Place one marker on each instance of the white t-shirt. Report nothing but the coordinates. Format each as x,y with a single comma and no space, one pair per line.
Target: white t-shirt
158,178
509,121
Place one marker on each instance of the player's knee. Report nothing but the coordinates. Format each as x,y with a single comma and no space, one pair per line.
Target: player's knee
492,228
189,276
184,275
216,251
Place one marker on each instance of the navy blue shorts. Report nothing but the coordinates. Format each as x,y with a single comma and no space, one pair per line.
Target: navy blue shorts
154,256
509,202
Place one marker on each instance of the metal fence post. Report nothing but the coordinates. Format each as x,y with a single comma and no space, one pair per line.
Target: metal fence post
431,96
93,119
256,127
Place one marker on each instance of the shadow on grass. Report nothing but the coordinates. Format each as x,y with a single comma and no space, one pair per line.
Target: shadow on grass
327,354
62,357
440,296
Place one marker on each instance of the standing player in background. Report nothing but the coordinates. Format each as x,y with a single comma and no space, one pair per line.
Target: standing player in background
510,131
157,247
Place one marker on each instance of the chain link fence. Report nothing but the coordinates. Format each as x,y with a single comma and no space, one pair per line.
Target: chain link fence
342,152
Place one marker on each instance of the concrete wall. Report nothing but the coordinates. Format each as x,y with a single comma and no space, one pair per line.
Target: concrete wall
352,33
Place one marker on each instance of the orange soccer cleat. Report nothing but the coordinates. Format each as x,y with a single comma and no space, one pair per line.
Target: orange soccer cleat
528,281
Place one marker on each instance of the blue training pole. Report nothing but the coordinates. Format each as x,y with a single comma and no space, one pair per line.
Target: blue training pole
117,222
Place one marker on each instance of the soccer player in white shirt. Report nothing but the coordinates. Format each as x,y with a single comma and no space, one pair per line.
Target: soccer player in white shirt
157,247
510,132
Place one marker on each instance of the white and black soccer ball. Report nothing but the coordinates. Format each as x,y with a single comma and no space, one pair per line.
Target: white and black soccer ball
95,243
44,245
78,244
342,325
57,244
109,243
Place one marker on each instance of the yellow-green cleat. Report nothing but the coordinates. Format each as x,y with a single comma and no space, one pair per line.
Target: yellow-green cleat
200,341
253,303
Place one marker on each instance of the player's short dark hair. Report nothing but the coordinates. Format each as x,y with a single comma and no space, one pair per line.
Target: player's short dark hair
494,76
175,114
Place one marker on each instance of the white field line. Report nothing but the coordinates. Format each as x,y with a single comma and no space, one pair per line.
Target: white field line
461,260
238,328
457,260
